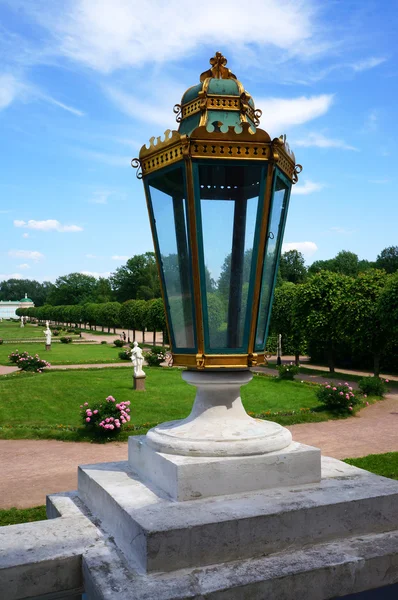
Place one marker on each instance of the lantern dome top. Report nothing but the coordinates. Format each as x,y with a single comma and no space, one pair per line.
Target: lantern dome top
219,98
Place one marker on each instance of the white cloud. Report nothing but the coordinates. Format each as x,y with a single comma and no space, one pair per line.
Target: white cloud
100,197
379,181
24,266
117,257
30,254
48,225
71,109
90,256
96,274
9,89
371,121
5,276
282,113
113,34
25,235
12,89
308,187
318,140
368,63
306,248
158,111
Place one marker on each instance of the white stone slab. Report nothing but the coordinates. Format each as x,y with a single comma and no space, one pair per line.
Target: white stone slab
188,478
158,534
316,572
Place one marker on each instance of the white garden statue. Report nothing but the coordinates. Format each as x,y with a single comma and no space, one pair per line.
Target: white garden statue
22,322
48,334
137,359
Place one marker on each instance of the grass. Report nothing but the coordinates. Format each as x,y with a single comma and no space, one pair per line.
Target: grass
13,331
13,516
381,464
44,406
64,354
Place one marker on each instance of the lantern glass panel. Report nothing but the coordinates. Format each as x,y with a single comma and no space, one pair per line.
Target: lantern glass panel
280,199
229,207
169,214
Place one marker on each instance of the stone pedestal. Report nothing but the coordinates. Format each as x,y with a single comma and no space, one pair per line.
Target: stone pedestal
139,383
48,346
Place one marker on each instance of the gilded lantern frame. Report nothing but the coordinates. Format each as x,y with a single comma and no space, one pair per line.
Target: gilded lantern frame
218,143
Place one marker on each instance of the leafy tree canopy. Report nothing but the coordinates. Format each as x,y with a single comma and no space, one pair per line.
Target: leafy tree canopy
137,279
388,259
292,267
74,288
15,289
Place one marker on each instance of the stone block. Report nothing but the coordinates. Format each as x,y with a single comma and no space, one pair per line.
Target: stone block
157,534
187,478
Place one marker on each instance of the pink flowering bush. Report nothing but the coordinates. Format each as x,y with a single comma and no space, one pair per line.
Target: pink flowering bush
337,397
106,419
26,362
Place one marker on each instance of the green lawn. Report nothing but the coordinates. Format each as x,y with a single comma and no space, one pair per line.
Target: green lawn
64,354
47,405
381,464
13,516
13,331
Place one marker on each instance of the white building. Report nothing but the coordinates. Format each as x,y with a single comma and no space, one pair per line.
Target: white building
8,307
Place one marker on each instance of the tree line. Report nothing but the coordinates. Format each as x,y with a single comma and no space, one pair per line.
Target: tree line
134,315
341,319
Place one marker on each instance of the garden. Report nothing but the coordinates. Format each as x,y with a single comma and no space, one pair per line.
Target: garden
49,405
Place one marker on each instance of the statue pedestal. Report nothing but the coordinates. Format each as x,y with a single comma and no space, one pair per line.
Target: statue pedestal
139,383
48,346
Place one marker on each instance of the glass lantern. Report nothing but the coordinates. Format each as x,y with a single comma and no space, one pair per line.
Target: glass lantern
217,193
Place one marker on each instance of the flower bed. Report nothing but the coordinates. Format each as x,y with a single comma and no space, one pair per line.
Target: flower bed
337,397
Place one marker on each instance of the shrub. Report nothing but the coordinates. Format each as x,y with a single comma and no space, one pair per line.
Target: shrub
125,354
65,340
15,356
288,371
55,332
70,331
118,343
155,356
26,362
105,419
373,386
104,342
1,341
337,397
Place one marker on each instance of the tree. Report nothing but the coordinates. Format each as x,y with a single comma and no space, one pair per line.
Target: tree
156,318
362,316
74,288
345,262
319,304
388,259
388,304
137,279
15,289
292,267
103,292
109,315
90,314
284,317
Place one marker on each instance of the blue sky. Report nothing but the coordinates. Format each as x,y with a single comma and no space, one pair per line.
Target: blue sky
84,83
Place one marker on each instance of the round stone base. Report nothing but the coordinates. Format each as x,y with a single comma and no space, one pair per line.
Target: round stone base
218,424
